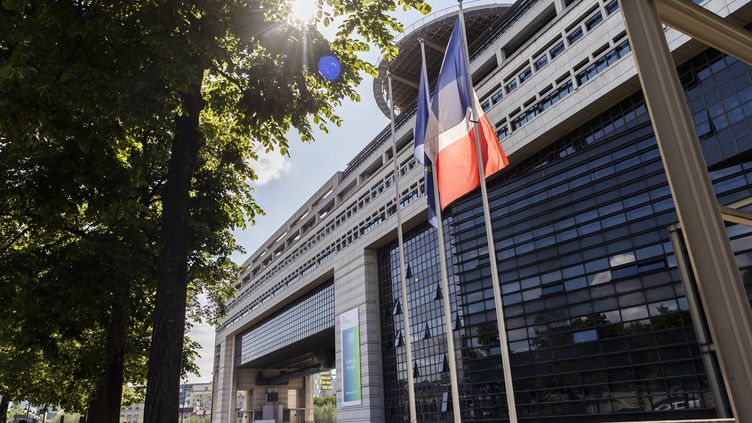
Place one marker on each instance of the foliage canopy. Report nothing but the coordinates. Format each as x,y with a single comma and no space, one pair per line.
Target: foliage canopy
125,155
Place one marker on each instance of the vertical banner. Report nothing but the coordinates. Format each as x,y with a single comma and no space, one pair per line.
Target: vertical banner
350,333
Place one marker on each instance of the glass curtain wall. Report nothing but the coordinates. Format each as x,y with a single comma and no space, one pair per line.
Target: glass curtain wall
597,319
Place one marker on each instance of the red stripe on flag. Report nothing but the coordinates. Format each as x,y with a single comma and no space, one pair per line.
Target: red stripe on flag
456,165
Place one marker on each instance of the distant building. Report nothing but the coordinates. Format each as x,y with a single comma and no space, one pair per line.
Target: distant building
197,397
133,413
323,383
195,400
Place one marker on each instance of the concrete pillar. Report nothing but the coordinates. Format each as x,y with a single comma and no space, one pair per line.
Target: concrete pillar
560,6
292,403
501,56
233,411
356,285
247,405
224,389
308,399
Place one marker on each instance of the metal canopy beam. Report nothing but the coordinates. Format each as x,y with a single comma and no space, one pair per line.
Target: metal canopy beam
403,80
726,306
707,27
434,46
736,216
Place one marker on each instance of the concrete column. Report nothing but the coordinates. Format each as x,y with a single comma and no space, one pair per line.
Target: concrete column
292,403
247,405
233,412
501,56
224,390
560,6
356,285
309,399
725,301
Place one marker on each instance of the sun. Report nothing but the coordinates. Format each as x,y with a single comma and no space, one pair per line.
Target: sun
304,10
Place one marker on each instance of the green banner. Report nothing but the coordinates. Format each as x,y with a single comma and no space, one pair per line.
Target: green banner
350,332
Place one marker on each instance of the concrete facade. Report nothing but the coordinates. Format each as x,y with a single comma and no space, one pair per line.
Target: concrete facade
336,233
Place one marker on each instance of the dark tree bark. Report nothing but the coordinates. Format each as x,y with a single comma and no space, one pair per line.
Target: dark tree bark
4,404
162,392
105,406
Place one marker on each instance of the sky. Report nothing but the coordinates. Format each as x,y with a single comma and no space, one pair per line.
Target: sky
286,183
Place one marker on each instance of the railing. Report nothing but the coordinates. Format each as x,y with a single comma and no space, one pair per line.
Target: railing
386,134
518,9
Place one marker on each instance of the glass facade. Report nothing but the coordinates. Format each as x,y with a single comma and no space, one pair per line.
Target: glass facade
300,320
596,313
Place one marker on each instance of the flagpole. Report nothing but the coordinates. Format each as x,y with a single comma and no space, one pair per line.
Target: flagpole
501,323
403,277
444,278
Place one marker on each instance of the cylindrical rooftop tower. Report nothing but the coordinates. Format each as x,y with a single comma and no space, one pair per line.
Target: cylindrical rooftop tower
435,29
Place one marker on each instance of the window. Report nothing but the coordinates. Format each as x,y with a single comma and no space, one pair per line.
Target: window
541,62
511,86
486,105
575,35
602,63
557,50
594,21
502,132
543,104
497,96
525,75
612,7
619,328
585,336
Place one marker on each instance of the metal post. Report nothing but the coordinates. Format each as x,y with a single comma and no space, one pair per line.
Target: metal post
726,305
456,410
403,276
501,323
707,27
703,339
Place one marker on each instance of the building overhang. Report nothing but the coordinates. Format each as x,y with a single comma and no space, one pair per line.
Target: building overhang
435,30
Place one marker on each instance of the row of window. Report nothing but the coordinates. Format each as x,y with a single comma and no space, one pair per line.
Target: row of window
409,195
602,63
555,50
304,318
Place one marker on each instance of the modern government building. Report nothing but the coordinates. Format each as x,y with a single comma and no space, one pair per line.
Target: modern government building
599,318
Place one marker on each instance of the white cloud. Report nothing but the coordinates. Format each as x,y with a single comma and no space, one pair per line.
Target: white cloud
203,334
270,166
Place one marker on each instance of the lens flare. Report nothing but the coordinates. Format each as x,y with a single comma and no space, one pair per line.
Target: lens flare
304,10
329,67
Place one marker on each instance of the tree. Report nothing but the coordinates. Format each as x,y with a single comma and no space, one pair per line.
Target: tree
80,200
325,409
240,86
4,404
155,110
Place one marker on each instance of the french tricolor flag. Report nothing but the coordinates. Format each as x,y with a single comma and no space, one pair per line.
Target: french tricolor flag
450,135
421,122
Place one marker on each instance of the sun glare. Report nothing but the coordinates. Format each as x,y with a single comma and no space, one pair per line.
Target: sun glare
304,10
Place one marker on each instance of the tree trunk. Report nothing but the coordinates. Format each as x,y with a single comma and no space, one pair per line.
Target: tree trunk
105,406
4,403
163,386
